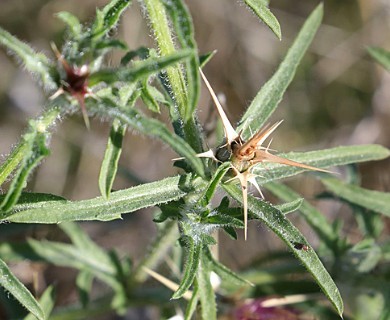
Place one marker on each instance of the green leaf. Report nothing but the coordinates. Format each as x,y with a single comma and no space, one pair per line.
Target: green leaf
321,159
72,22
284,229
184,28
112,154
224,220
291,206
214,183
109,17
140,69
153,128
205,58
193,251
192,304
206,292
10,283
225,273
363,257
123,201
176,84
37,63
380,55
35,152
12,161
373,200
148,97
111,44
260,8
66,255
163,35
81,239
313,217
271,93
31,150
84,285
47,302
113,11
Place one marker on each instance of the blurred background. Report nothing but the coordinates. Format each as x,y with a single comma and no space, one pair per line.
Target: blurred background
339,96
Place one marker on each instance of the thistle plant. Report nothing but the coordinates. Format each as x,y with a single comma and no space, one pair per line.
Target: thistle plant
78,79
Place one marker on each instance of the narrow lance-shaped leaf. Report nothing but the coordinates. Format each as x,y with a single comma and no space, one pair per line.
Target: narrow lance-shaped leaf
193,251
314,217
153,128
373,200
84,285
224,272
214,183
10,283
81,239
184,28
260,8
109,17
37,63
380,55
34,150
271,93
321,159
192,304
206,292
12,161
124,201
72,22
283,228
289,207
47,302
37,151
66,255
140,69
112,154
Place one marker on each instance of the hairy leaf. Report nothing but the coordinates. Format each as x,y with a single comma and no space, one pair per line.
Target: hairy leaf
373,200
260,8
72,22
193,252
37,63
283,228
291,206
112,154
224,272
184,29
140,69
123,201
313,217
154,128
206,292
10,283
47,302
109,17
271,93
321,159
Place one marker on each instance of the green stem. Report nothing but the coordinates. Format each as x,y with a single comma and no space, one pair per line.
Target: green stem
162,32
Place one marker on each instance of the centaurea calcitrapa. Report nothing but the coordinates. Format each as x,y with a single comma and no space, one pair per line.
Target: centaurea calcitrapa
75,83
244,155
